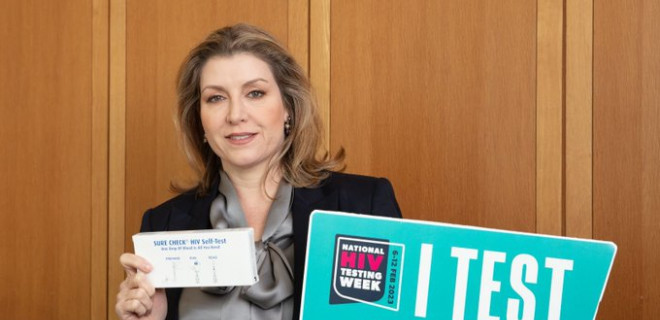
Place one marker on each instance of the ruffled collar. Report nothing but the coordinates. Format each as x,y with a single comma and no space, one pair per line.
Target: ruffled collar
274,251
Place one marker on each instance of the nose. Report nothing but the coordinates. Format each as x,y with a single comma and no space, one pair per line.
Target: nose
236,113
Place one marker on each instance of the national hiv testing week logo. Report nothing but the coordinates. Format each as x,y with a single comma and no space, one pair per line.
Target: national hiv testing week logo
368,271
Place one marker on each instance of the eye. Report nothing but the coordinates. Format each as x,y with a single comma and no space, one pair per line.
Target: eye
215,98
255,94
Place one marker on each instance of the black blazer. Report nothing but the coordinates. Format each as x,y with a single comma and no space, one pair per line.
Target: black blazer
339,192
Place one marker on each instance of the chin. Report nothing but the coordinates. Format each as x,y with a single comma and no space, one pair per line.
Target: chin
246,163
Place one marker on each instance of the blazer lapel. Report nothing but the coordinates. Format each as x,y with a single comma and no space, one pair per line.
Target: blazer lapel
193,215
190,215
304,202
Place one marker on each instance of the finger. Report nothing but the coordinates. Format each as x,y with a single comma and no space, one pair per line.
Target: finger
124,309
143,282
132,263
122,312
131,307
138,307
138,280
140,295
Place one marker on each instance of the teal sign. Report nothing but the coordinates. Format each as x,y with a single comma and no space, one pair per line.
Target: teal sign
362,267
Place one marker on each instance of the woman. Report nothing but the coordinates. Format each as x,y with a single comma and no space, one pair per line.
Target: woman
251,130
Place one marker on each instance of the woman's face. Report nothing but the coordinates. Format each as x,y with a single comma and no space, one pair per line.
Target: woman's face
242,111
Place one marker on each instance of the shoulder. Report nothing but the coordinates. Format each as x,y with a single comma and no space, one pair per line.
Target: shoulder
358,193
349,185
181,200
347,180
161,217
353,186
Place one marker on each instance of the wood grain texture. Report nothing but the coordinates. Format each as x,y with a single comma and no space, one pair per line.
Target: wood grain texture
298,33
319,59
46,159
439,96
100,160
578,118
550,117
117,147
626,168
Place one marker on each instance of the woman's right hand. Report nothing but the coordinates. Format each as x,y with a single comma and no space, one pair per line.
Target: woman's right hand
137,298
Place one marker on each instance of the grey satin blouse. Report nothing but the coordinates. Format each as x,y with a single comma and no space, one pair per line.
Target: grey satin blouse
272,297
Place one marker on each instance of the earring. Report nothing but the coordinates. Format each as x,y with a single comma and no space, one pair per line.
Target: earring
204,140
287,126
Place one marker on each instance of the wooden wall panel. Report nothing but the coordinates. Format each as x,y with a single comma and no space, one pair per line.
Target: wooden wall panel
627,152
46,159
319,59
100,159
117,148
578,120
549,117
439,96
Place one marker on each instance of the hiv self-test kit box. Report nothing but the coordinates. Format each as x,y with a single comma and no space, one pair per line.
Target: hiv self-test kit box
199,258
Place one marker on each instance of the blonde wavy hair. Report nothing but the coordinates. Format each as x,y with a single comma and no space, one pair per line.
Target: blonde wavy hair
300,161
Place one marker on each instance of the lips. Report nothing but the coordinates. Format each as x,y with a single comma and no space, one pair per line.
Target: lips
240,137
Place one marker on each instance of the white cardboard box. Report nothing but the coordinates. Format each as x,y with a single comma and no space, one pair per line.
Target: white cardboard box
199,258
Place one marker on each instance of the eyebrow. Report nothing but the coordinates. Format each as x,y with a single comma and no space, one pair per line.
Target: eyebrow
248,83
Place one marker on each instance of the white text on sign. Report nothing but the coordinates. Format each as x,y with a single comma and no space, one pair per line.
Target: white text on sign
489,285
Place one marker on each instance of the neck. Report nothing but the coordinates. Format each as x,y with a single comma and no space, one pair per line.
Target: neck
250,183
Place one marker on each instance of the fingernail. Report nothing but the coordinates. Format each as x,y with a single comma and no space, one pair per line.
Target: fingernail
147,267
